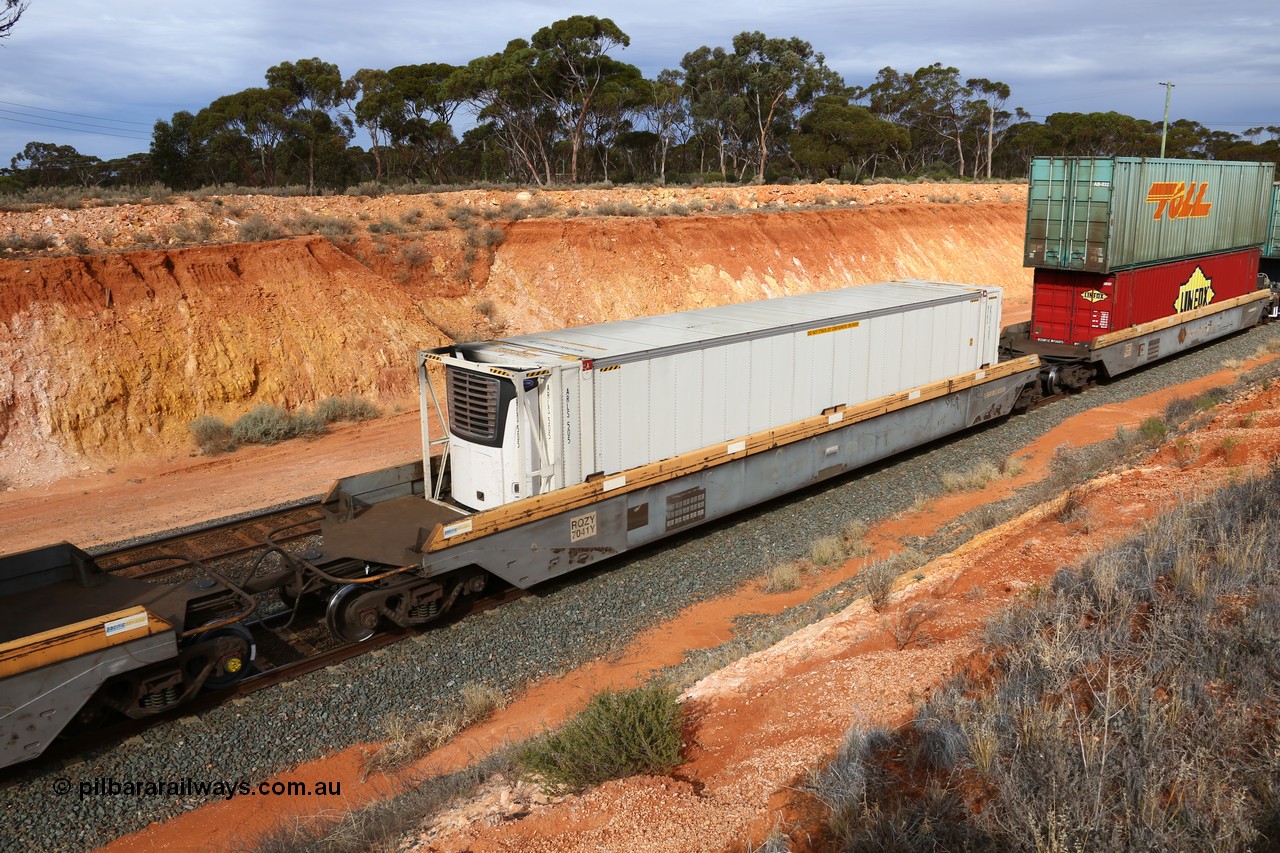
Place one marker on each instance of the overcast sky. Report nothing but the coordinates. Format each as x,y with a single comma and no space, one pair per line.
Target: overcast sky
97,74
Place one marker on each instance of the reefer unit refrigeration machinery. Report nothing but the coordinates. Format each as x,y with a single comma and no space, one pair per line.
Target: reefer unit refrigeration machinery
535,413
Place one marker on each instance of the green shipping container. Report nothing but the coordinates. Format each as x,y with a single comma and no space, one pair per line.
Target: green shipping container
1272,247
1101,214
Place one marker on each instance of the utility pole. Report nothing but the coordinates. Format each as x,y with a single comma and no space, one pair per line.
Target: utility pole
1164,130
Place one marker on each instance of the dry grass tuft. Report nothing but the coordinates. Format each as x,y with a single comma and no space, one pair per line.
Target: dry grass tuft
909,626
784,577
408,739
828,551
854,533
972,479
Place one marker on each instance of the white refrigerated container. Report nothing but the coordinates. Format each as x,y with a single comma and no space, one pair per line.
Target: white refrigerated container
539,412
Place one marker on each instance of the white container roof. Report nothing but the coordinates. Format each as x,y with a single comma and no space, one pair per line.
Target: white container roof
662,334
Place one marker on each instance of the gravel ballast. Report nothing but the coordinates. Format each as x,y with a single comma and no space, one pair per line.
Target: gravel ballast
269,731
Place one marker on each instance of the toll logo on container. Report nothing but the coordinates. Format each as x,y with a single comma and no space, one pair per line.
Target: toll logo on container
1179,199
1196,292
1093,296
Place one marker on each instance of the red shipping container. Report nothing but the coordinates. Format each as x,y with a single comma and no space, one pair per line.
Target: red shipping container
1075,307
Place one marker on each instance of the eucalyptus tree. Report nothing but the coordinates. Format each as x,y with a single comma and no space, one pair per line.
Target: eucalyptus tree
944,106
838,140
10,14
1022,142
497,88
713,87
893,97
619,101
667,113
572,67
1272,131
1108,134
429,99
131,170
942,114
778,78
177,152
1257,143
378,110
318,90
1189,138
545,90
988,98
248,126
46,164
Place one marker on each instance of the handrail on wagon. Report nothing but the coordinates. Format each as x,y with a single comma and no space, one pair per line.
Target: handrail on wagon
425,387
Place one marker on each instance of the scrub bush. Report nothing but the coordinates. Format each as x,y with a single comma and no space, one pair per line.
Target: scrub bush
256,229
212,435
350,408
267,424
618,734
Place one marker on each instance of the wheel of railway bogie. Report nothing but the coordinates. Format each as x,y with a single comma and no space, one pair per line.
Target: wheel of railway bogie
351,615
232,661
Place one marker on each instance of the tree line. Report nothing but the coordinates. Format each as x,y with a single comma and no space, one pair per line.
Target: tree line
560,107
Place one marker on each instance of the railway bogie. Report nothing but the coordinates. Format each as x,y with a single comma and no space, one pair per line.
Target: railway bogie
79,643
355,611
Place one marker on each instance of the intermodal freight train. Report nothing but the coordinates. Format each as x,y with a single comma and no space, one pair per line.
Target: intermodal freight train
566,448
1137,258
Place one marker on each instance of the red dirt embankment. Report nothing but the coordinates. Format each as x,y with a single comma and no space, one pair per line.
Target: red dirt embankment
109,355
107,358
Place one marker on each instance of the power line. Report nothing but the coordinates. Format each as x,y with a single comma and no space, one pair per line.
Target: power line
1231,85
75,124
58,127
1260,123
81,160
77,115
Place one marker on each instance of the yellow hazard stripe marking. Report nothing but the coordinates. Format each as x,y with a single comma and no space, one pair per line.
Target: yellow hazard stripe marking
839,328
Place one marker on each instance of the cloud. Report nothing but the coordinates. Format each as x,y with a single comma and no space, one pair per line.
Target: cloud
134,61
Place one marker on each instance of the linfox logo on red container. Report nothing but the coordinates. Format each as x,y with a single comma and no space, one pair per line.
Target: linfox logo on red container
1195,292
1179,199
